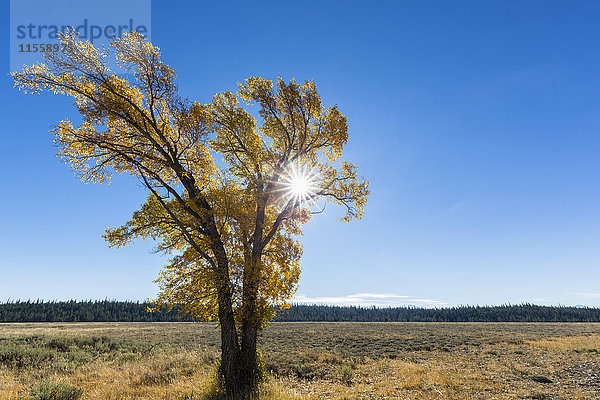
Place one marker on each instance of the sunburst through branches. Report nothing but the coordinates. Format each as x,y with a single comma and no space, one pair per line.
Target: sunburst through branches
301,185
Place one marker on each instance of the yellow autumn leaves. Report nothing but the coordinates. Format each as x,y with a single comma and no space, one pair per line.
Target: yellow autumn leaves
213,172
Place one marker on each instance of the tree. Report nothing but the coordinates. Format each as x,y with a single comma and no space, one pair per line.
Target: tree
227,196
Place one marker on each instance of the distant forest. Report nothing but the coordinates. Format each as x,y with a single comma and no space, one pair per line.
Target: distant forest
126,311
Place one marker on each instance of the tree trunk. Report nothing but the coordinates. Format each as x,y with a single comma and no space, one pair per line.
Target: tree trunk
230,370
251,372
240,369
250,366
230,353
249,362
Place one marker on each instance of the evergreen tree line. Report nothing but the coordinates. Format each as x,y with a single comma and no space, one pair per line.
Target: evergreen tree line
127,311
84,311
504,313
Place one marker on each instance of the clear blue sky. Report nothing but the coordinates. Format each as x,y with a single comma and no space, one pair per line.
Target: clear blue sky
477,124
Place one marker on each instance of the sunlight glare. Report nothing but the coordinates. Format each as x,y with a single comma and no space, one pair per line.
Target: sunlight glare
301,184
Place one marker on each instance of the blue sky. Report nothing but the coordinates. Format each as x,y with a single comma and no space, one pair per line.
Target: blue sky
477,124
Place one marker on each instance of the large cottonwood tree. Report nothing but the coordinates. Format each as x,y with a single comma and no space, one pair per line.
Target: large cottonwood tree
227,195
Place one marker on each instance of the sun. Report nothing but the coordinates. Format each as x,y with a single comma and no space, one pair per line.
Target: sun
301,184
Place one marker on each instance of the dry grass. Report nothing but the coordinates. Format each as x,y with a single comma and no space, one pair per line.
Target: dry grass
318,361
158,376
589,343
495,372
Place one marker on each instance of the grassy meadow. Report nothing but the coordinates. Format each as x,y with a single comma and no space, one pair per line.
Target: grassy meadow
305,360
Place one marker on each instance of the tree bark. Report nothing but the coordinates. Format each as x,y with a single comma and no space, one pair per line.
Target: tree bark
249,358
239,364
250,325
240,369
250,316
230,350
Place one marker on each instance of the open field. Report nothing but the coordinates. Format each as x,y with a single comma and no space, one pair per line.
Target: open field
309,360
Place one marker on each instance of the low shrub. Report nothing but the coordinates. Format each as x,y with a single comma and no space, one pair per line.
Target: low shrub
66,353
159,377
55,391
346,374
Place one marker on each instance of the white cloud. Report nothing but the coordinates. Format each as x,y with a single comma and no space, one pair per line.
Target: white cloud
378,296
370,299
